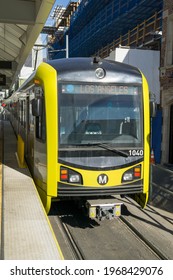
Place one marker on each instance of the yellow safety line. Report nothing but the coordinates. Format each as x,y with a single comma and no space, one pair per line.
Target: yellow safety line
49,224
0,184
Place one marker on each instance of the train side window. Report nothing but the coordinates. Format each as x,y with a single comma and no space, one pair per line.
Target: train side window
22,108
21,112
41,126
40,121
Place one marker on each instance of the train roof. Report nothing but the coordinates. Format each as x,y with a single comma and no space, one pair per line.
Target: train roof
83,69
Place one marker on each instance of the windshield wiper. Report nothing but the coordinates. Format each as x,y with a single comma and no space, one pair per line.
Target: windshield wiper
106,147
109,148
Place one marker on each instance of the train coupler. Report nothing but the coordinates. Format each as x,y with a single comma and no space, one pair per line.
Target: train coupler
103,208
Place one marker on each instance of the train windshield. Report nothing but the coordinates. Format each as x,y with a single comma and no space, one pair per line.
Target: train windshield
97,113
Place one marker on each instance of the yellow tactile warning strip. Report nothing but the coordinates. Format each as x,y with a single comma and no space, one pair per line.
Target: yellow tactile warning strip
27,233
0,187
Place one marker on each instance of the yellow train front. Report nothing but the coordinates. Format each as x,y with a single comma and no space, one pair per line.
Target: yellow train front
85,123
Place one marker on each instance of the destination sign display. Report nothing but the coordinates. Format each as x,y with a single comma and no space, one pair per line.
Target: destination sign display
99,89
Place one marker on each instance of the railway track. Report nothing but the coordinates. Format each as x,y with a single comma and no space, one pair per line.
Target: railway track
82,238
142,238
159,226
168,219
69,241
152,210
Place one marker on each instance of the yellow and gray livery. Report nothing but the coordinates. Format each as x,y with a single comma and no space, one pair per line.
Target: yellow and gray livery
85,125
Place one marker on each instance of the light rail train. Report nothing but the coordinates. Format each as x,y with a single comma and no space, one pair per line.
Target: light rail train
85,125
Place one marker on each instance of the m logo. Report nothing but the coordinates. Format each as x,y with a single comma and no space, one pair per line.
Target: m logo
102,179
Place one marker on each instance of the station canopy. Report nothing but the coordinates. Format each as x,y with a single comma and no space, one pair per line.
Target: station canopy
21,22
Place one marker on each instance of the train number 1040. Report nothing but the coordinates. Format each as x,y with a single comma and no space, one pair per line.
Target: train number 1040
134,152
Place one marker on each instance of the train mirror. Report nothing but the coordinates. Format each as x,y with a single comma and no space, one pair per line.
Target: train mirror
153,104
37,106
153,109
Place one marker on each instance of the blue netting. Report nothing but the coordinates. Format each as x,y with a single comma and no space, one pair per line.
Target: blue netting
96,23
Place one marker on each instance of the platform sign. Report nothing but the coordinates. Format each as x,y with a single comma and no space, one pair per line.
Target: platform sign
2,80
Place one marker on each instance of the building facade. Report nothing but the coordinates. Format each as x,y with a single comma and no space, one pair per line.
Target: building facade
96,24
166,82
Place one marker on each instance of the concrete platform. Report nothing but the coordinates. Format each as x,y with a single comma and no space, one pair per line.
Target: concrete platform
25,229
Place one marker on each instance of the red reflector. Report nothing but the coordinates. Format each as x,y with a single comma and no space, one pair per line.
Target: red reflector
137,174
64,177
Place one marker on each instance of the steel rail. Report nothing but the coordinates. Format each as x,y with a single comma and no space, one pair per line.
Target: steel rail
151,208
152,248
75,250
163,188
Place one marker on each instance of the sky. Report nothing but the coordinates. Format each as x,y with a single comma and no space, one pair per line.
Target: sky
62,2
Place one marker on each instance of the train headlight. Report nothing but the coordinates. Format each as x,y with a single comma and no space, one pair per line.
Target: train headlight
74,178
132,174
128,176
70,176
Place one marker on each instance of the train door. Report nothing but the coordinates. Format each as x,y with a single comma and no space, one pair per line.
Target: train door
30,132
27,124
40,157
22,120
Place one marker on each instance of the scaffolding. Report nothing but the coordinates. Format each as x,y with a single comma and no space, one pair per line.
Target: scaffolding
95,24
147,34
62,17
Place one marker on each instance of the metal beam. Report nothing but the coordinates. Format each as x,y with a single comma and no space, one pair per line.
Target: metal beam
21,21
43,9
